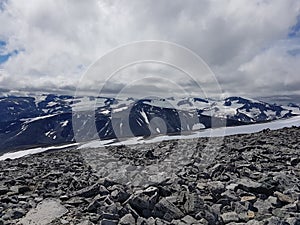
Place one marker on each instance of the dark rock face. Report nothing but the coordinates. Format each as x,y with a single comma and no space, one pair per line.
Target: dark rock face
253,179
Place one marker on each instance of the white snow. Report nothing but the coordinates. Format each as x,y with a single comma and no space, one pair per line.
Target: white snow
29,120
50,104
105,112
18,154
198,126
98,143
218,132
120,109
65,123
145,116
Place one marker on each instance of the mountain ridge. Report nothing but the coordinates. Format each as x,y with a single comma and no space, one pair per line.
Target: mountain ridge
27,121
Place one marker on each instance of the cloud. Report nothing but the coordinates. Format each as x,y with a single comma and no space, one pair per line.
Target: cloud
246,43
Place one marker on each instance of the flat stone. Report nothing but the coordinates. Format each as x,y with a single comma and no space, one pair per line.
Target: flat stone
45,212
248,198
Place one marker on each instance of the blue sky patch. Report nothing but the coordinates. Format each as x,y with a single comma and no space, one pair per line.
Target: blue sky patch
294,30
2,4
2,43
294,52
5,57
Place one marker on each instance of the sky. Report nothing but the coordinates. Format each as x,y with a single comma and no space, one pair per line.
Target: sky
251,47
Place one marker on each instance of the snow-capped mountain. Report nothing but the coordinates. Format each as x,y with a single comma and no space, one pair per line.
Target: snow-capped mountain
47,119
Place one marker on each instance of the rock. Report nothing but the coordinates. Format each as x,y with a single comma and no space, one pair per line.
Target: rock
250,198
16,213
232,187
75,201
119,195
264,208
216,187
189,220
250,214
45,212
110,216
248,184
208,215
128,219
274,221
108,222
141,221
230,217
21,189
103,190
89,191
272,200
3,190
254,222
92,207
294,161
283,198
193,203
85,222
167,210
293,221
143,203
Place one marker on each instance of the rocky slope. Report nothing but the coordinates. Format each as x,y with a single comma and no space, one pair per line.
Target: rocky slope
244,179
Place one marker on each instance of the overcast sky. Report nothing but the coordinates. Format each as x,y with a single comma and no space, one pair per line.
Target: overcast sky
253,47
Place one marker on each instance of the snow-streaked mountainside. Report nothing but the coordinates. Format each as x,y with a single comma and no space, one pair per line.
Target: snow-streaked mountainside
34,121
218,132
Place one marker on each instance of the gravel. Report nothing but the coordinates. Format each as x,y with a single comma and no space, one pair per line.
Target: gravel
249,179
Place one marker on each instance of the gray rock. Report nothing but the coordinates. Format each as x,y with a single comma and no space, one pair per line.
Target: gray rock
254,222
283,198
293,221
15,213
89,191
189,220
3,190
108,222
45,212
193,203
75,201
128,219
167,210
20,189
230,217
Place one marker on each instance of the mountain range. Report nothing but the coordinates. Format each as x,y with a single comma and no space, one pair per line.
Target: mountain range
32,121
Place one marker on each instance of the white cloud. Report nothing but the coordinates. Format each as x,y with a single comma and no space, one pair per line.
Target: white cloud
242,41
